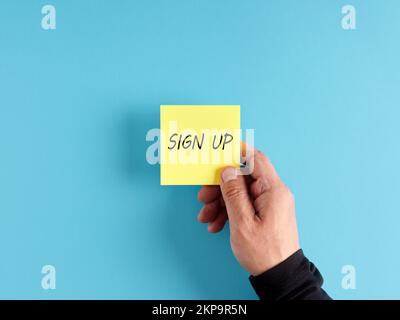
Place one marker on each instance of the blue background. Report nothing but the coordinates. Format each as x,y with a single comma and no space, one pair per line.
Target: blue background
76,103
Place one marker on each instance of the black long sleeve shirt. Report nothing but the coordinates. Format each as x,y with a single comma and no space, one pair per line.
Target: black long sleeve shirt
296,278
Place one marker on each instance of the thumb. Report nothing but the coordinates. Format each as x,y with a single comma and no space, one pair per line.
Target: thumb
236,196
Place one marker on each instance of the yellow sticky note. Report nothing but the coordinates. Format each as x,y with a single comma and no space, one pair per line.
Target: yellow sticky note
197,141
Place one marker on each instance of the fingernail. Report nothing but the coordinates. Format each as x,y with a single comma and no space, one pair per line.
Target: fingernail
228,174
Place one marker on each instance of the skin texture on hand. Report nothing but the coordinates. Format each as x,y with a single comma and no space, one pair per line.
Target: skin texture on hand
261,213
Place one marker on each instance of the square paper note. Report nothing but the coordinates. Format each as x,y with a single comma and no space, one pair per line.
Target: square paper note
197,142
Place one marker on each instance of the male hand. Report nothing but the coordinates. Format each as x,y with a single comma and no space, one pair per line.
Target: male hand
261,214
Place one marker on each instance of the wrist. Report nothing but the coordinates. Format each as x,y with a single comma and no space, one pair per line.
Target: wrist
273,260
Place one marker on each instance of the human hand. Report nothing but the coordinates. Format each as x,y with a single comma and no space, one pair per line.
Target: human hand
261,213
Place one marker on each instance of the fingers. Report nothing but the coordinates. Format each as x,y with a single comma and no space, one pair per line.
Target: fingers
237,191
214,213
262,165
236,196
208,194
219,223
264,174
264,168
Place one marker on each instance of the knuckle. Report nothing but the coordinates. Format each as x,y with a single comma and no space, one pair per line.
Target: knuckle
288,195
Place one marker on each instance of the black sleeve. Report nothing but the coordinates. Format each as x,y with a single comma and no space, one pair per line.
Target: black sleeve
296,278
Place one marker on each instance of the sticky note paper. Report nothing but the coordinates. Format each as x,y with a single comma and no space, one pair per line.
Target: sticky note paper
197,141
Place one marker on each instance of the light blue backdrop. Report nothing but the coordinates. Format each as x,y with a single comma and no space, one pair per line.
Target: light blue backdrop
76,102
